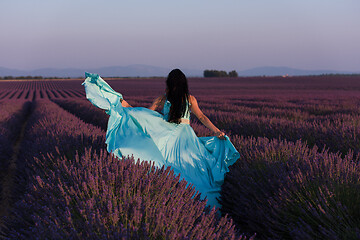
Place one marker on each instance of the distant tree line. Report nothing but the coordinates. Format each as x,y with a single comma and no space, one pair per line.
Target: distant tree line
217,73
30,77
340,74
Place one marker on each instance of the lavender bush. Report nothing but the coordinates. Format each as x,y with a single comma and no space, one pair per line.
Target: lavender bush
99,196
12,116
86,111
51,129
282,189
337,135
89,195
54,127
10,119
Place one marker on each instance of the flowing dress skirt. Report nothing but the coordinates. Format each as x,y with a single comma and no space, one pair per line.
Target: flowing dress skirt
145,134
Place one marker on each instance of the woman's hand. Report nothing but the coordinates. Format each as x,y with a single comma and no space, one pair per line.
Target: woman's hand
124,103
220,135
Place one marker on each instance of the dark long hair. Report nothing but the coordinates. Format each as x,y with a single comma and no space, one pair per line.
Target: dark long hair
177,92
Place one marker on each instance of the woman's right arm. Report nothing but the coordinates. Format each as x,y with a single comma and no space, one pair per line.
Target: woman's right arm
204,119
157,103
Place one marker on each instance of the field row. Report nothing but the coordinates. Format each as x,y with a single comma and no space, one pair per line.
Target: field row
12,115
32,95
304,88
32,85
326,123
334,130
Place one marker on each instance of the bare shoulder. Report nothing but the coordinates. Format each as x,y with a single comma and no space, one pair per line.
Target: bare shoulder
195,108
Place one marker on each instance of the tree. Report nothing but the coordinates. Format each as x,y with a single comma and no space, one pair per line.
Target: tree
216,73
233,73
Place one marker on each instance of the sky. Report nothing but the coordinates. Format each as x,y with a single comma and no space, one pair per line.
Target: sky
193,34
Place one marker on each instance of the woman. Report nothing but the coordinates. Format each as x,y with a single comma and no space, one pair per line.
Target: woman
166,139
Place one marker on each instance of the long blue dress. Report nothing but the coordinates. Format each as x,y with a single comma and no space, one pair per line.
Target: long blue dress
147,135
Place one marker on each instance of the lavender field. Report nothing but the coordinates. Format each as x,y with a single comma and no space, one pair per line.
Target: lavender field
297,177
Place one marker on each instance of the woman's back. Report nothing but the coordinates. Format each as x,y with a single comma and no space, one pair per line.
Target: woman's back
167,106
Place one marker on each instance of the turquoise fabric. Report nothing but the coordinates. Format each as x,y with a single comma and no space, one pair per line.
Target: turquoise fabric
145,134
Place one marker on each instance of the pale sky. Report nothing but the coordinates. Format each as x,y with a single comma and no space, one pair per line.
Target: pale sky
196,34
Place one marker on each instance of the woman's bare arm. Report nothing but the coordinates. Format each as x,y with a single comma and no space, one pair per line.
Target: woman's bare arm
204,119
159,101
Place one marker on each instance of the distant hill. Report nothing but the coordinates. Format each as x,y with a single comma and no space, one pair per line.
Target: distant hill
152,71
115,71
281,71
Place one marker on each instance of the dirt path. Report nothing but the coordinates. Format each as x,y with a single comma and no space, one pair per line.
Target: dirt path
8,183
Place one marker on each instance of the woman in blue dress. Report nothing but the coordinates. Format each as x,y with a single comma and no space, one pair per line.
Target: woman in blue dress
166,139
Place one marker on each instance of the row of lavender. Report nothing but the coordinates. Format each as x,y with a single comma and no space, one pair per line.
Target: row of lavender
337,132
292,192
330,124
324,122
280,189
301,87
281,113
33,84
12,115
75,189
32,95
